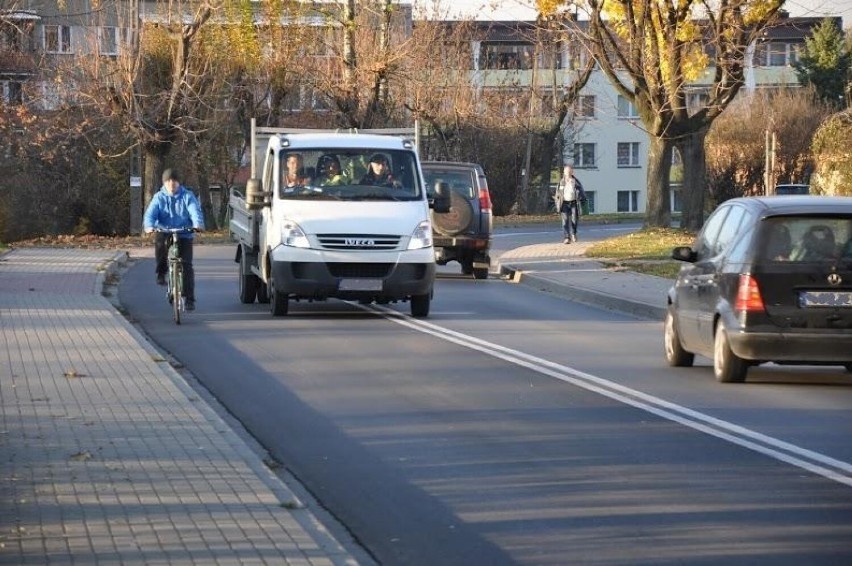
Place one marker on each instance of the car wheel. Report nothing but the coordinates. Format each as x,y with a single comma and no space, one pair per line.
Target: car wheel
248,283
727,366
676,356
279,302
420,305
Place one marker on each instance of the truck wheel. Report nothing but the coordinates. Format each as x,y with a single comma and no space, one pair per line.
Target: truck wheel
480,273
248,283
279,302
420,305
262,292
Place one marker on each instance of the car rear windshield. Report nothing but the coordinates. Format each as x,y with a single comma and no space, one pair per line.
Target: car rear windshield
807,238
461,181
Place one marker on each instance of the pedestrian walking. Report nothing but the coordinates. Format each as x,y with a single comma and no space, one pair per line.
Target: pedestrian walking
569,197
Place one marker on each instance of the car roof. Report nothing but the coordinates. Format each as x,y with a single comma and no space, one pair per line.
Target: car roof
797,204
460,164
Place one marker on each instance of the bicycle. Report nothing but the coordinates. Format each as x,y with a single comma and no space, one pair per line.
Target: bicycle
174,285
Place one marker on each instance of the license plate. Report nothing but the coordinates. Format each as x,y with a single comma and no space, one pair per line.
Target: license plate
825,299
360,285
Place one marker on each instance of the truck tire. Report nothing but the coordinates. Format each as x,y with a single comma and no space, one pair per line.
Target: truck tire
262,293
248,283
420,305
279,303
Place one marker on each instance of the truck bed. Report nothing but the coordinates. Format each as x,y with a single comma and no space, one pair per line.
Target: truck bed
243,224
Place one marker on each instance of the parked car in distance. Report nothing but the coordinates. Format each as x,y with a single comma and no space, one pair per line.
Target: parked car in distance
768,279
464,233
792,189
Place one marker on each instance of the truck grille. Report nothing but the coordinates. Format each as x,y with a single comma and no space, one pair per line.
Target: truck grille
358,241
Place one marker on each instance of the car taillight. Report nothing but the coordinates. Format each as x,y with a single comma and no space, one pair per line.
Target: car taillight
484,197
748,295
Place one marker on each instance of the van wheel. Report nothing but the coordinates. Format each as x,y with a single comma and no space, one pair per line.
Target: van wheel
676,356
248,283
279,302
420,305
727,366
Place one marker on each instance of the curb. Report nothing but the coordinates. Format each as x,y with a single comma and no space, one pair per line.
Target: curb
582,295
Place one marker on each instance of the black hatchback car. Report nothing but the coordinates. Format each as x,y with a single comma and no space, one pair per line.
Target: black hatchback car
462,234
768,279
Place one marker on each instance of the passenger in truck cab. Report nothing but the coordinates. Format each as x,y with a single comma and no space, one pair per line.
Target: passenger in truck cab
328,172
294,173
379,173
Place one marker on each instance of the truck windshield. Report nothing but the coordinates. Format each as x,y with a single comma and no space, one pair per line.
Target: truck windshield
349,174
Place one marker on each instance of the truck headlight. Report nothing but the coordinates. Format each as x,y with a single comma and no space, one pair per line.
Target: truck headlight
293,235
421,237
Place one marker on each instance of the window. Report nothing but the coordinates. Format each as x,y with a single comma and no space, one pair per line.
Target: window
776,54
584,155
108,41
590,200
696,100
506,55
628,154
628,201
706,241
57,39
626,109
585,106
11,92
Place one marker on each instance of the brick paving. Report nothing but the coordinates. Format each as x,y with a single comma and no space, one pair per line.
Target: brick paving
107,456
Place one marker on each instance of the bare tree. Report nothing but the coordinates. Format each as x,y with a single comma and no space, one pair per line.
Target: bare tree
737,148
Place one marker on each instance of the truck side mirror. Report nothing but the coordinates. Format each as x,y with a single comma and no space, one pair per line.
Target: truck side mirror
441,202
255,197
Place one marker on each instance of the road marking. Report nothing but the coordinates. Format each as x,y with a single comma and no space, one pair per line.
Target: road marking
826,466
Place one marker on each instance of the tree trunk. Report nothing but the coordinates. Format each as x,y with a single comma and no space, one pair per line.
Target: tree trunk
658,210
692,154
154,157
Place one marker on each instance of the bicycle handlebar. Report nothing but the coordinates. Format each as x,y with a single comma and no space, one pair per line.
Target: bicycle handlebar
182,230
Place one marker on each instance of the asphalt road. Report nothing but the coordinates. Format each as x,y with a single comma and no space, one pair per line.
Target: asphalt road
515,427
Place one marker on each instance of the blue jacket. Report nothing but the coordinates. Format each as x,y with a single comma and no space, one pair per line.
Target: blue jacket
178,211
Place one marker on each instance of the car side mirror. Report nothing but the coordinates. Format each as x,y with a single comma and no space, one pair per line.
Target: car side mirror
441,202
684,253
255,197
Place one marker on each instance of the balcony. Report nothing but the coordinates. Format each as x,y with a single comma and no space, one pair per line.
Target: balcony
17,63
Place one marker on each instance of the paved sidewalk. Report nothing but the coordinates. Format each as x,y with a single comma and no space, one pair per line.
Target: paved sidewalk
107,456
562,269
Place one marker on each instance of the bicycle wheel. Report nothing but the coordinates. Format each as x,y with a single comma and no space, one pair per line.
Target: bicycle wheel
177,289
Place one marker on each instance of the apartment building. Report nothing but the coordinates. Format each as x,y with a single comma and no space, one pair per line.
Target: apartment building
605,139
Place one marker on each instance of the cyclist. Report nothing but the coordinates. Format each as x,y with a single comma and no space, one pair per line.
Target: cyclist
174,206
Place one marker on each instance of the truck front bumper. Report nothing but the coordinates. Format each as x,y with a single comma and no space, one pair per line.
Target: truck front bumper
386,277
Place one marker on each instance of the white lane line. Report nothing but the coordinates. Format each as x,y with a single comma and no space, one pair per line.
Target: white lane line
814,462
